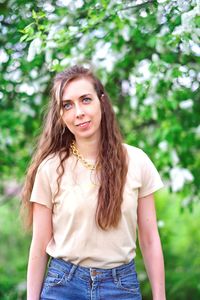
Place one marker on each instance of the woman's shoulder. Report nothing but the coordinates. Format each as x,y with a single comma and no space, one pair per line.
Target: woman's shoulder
51,162
136,156
134,152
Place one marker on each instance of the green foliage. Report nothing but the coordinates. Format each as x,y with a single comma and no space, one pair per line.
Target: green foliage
180,240
182,255
146,54
14,252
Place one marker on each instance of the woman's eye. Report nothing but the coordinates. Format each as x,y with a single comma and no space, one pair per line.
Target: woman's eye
86,100
67,106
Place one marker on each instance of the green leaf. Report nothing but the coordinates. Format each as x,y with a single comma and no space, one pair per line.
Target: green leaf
23,38
34,14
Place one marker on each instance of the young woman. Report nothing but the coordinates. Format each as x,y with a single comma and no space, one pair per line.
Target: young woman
86,192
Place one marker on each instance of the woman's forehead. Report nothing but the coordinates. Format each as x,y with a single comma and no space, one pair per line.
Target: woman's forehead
78,87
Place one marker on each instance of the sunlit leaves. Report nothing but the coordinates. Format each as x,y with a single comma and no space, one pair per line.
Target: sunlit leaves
146,54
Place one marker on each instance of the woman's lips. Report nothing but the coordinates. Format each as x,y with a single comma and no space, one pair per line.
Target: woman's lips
84,124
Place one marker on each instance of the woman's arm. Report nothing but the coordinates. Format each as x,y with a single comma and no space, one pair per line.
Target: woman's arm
42,233
150,246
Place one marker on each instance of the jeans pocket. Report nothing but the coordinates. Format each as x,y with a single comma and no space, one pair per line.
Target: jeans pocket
54,277
128,282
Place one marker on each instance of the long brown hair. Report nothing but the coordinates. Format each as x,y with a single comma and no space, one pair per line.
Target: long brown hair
56,139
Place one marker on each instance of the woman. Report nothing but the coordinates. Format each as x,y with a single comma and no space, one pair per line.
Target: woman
86,192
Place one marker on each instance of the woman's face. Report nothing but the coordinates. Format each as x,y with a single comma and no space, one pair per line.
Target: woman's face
81,109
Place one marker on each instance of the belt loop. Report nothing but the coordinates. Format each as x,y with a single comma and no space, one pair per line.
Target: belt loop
114,274
71,273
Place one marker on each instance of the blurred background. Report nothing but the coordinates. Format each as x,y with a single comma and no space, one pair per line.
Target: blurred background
147,53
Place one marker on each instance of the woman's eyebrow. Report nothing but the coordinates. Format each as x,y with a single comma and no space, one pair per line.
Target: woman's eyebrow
81,97
86,95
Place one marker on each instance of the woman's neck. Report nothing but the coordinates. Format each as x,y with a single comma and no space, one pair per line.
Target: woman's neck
89,149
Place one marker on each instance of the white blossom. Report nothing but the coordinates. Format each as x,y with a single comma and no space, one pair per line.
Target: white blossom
27,110
125,86
163,146
143,69
174,157
34,48
3,56
161,223
126,33
149,100
179,176
186,104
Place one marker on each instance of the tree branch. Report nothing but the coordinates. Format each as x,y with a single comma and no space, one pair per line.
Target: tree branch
139,5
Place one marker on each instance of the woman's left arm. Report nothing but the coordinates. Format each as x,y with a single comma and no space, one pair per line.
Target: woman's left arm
150,246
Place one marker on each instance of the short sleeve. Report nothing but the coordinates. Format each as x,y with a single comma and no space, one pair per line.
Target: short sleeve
150,178
41,192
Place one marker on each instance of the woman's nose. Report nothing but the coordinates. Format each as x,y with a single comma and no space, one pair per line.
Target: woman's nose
79,111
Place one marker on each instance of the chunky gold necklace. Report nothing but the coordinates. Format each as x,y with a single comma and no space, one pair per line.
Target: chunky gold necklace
76,153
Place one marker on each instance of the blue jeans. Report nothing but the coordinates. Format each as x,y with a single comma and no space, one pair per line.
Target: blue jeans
66,281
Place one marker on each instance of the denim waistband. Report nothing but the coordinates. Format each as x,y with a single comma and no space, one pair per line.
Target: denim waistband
86,273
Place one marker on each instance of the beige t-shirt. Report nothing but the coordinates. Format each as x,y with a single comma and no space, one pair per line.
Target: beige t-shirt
76,237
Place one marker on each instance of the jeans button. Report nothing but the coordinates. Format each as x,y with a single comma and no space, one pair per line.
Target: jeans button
94,273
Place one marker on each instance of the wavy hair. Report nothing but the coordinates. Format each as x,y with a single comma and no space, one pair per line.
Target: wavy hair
56,139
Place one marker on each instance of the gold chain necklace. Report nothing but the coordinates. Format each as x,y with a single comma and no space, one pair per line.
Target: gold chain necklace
81,158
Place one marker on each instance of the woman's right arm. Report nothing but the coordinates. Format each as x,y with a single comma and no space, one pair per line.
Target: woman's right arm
38,258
